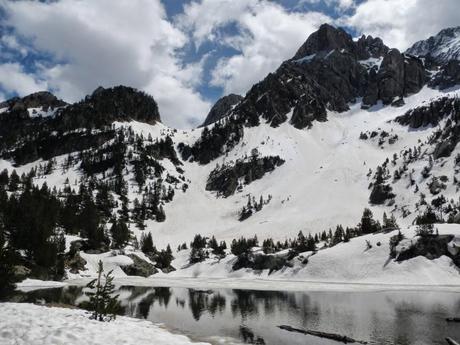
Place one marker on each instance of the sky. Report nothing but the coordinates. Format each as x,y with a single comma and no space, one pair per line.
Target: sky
185,53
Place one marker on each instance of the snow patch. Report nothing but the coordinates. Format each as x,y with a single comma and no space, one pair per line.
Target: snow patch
28,324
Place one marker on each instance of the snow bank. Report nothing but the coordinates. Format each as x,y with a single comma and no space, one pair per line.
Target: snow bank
36,284
345,263
24,324
345,266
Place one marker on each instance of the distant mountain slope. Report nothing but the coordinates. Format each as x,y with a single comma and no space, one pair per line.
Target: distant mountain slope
441,48
221,108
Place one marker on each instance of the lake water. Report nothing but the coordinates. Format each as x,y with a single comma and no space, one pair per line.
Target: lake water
252,317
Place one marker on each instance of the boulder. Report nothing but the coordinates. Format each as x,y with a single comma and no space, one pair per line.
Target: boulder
74,262
21,272
260,261
431,247
139,267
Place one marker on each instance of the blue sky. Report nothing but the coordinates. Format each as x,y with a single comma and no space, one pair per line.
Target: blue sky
185,53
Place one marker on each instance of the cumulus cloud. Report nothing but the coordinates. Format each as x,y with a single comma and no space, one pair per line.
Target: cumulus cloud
267,35
341,4
77,45
15,80
105,42
402,23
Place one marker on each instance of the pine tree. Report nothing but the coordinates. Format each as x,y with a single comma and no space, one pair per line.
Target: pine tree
7,278
120,234
147,244
14,182
102,303
4,178
368,224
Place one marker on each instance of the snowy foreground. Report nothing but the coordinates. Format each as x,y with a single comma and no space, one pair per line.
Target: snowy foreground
28,324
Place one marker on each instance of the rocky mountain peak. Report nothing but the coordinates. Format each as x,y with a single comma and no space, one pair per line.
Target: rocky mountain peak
43,99
441,48
324,40
329,38
106,105
374,47
221,108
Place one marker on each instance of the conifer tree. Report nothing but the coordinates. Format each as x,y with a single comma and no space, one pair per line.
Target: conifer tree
147,244
102,303
120,234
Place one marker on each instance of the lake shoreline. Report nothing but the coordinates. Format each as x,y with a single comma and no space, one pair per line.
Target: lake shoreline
246,284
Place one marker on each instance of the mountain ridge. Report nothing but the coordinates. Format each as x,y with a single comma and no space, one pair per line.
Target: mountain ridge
308,148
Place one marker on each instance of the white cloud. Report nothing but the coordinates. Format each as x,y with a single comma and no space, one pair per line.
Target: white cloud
402,23
11,42
268,34
341,4
105,42
15,80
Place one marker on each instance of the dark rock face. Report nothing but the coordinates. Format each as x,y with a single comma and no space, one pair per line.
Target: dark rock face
391,76
105,106
448,76
398,76
222,108
327,38
225,180
369,46
43,99
327,73
446,138
25,139
414,75
306,112
429,115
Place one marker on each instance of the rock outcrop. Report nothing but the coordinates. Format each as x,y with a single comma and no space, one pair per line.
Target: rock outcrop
225,180
398,76
139,267
222,108
104,106
41,99
448,76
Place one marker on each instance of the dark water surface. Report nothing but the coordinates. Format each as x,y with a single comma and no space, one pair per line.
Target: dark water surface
248,316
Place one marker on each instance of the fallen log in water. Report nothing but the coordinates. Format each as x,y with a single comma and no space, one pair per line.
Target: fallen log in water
453,319
332,336
451,341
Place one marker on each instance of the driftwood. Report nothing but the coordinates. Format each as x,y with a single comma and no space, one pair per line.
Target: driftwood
451,341
332,336
453,319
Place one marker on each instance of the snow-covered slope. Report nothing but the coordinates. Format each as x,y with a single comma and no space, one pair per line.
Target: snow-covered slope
324,181
351,263
346,263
